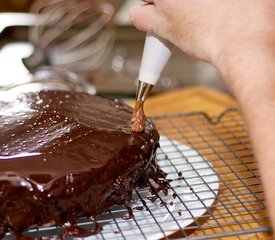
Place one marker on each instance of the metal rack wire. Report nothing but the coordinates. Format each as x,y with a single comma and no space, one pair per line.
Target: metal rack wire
215,189
239,207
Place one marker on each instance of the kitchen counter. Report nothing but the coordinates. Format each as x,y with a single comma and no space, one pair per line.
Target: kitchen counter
196,99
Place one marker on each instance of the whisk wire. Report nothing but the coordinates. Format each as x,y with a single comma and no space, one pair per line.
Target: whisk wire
73,34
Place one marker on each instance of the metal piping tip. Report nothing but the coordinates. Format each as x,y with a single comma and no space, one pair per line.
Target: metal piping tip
143,90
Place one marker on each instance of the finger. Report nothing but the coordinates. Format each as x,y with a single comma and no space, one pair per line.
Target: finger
143,17
148,1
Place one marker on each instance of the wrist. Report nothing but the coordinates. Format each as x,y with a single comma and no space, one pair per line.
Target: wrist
249,72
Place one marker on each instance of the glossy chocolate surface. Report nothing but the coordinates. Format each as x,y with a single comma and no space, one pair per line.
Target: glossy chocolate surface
65,155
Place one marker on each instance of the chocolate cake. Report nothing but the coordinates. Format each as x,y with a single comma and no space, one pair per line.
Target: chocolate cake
66,155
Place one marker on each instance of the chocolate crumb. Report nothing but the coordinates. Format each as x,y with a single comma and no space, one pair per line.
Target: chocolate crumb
140,208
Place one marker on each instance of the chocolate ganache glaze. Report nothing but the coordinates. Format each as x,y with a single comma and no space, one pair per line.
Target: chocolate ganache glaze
65,155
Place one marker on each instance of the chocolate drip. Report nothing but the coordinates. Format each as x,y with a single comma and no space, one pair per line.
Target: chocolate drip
66,155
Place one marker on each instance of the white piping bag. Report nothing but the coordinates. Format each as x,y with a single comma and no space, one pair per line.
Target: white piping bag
156,54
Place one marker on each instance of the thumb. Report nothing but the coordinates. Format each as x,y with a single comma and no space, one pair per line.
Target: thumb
143,17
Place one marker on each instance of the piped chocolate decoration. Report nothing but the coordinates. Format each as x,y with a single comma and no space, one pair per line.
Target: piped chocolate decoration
138,118
66,155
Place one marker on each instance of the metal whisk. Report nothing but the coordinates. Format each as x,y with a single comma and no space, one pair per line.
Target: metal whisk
71,34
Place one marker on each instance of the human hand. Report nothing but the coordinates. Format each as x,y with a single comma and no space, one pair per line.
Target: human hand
213,31
238,38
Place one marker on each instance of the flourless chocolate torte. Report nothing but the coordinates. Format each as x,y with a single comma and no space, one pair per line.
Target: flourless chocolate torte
65,155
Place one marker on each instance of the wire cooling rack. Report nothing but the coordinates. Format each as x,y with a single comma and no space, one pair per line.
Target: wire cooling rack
239,207
215,185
